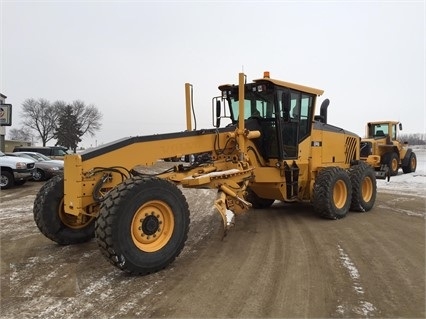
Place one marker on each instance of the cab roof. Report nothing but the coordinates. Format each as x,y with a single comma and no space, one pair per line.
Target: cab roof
382,122
289,85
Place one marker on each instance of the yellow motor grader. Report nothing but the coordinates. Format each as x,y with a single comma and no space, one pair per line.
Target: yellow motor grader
382,149
273,148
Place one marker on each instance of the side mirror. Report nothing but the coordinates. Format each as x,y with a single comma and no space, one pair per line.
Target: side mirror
218,111
400,126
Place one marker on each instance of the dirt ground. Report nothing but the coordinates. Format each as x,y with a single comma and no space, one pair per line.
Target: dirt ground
282,262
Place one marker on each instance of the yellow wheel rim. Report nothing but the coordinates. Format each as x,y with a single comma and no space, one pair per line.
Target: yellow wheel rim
367,189
413,163
152,226
340,194
72,221
394,165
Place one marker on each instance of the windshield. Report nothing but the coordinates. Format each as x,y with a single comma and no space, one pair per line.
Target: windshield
40,157
34,156
379,130
255,105
61,152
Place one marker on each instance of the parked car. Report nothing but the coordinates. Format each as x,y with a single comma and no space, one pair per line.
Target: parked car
15,170
54,152
45,167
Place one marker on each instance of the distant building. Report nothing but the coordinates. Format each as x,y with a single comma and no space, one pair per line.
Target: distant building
9,145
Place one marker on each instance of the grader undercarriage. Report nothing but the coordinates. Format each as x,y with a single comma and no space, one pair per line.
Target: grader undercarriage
274,148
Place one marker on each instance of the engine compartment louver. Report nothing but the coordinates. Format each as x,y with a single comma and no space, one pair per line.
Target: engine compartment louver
351,145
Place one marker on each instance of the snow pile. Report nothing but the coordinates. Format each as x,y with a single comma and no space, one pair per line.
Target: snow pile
408,184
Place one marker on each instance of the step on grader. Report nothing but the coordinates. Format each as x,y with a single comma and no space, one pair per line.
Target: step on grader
273,147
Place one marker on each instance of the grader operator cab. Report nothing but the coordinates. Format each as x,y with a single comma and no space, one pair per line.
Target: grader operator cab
382,149
274,148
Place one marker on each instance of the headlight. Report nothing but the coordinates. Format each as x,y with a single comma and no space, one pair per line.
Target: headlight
21,165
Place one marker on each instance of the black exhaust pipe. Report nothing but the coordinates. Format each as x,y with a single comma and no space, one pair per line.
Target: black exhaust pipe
323,110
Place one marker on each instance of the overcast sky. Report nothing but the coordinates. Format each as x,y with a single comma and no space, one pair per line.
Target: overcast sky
131,58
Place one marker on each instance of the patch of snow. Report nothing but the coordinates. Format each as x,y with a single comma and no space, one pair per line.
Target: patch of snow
215,174
411,183
349,265
364,307
229,217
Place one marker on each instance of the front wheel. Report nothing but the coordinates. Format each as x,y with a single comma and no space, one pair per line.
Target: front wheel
332,193
143,225
6,179
364,188
392,161
53,222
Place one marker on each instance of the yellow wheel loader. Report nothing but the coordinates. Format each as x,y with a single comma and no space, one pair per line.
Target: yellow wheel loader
274,147
382,149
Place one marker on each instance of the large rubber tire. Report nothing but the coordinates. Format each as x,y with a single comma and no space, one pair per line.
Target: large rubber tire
332,193
412,164
364,188
256,201
392,161
143,225
53,222
6,180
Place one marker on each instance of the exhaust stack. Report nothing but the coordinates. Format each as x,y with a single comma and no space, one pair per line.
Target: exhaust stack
323,110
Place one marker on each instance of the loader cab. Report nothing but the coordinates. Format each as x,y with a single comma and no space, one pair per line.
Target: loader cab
378,130
282,113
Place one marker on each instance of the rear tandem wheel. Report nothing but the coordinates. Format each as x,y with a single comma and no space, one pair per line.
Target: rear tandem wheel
143,225
332,193
412,164
364,188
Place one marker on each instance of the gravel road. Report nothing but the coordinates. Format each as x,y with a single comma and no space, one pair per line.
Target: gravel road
281,262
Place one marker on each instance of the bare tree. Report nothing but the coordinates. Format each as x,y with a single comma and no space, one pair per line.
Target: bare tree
88,117
40,116
43,117
413,139
21,134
